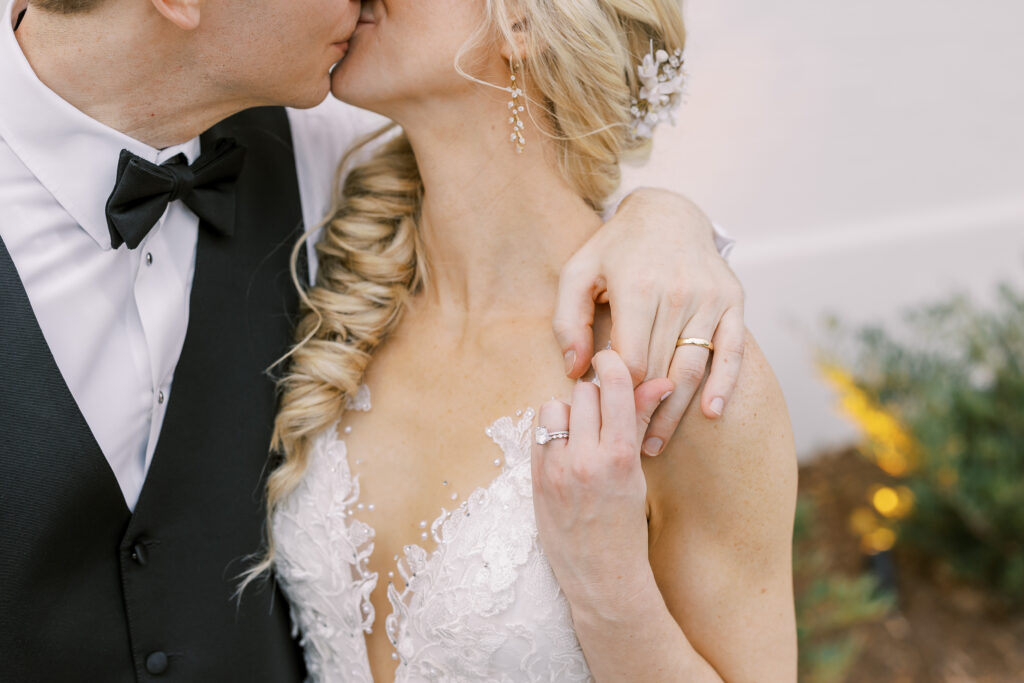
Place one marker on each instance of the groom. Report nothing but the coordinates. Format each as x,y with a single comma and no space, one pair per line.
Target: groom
145,229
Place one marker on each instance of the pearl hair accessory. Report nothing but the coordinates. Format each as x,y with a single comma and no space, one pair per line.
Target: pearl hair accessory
661,87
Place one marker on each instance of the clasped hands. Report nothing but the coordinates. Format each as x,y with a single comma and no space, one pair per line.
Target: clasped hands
656,265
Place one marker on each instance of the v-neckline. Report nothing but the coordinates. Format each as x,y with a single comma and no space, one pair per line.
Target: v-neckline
520,422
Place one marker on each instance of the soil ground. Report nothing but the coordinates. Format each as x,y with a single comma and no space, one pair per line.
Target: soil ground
940,631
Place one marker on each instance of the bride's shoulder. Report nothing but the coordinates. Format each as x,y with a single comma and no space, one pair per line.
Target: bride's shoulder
747,454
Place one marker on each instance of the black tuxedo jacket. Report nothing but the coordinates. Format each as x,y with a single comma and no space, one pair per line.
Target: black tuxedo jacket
92,592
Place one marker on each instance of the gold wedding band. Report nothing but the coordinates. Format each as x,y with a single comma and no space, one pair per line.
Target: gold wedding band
696,341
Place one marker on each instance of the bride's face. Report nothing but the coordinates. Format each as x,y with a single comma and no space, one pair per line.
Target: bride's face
404,51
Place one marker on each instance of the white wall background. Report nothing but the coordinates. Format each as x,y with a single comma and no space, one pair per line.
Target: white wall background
868,155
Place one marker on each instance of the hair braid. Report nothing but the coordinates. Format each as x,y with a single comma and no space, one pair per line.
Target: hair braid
369,264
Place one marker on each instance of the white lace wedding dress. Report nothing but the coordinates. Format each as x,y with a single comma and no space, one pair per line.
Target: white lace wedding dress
483,606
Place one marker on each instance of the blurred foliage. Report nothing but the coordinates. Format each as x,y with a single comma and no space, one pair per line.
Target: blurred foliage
829,606
941,405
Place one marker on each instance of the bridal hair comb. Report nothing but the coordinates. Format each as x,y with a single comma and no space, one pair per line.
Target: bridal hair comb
661,87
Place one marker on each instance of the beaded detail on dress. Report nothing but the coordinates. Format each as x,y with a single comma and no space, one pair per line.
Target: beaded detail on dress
484,605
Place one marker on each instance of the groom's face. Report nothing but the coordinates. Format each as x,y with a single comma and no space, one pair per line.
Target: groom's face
276,52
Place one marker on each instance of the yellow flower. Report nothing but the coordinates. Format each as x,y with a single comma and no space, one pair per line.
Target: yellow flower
892,447
863,521
879,540
894,503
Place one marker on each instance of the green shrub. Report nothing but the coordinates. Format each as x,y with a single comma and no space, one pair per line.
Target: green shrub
941,402
829,606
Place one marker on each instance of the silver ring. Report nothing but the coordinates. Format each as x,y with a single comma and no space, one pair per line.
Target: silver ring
542,435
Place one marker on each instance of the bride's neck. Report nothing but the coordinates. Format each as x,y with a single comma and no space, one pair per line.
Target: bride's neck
497,226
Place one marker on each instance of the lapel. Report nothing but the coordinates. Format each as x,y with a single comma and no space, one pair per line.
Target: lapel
50,463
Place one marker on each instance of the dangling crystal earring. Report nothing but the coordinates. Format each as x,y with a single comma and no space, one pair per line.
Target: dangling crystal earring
516,107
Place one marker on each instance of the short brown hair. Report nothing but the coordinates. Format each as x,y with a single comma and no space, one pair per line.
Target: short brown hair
65,6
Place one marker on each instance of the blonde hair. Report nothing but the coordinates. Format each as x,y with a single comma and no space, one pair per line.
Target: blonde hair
579,66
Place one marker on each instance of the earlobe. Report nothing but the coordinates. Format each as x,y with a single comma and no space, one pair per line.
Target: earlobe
182,13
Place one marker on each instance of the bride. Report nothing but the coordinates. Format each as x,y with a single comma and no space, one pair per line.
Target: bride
414,541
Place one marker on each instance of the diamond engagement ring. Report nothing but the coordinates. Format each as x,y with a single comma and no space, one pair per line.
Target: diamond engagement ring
542,435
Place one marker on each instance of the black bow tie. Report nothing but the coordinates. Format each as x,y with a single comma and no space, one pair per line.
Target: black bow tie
143,191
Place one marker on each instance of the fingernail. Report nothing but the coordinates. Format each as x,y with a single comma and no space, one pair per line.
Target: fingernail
717,404
570,361
653,446
664,396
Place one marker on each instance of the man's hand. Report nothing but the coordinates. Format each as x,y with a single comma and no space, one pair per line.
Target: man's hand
656,264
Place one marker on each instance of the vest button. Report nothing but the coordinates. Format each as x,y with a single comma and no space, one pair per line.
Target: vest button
139,554
156,663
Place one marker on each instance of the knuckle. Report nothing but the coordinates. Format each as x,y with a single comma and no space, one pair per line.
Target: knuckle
645,419
618,382
573,269
645,285
582,471
555,480
564,327
734,350
621,449
731,346
623,461
679,296
663,425
636,367
617,369
690,374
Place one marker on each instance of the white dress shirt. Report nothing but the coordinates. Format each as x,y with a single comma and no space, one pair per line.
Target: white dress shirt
115,319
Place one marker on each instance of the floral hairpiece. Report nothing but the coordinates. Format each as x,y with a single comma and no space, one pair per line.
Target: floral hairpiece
661,87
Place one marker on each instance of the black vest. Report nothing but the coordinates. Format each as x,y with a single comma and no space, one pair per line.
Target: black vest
92,592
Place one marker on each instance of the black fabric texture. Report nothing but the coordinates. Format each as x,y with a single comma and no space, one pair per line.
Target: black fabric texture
91,592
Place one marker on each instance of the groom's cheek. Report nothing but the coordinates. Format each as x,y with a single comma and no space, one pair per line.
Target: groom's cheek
278,52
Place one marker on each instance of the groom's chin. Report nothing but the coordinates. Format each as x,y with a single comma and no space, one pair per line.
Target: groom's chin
311,95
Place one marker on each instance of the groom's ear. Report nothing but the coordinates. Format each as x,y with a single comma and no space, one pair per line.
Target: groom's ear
182,13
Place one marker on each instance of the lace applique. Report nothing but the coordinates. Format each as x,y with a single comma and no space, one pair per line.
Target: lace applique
321,562
361,400
485,605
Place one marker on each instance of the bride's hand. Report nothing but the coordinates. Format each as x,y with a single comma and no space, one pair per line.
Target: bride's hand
589,491
657,265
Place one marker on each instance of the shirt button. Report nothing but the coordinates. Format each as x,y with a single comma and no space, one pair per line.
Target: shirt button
149,258
160,398
156,663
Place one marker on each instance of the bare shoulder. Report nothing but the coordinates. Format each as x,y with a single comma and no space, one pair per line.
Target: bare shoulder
747,454
722,498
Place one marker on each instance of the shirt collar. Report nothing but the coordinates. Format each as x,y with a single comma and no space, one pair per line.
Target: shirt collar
73,155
